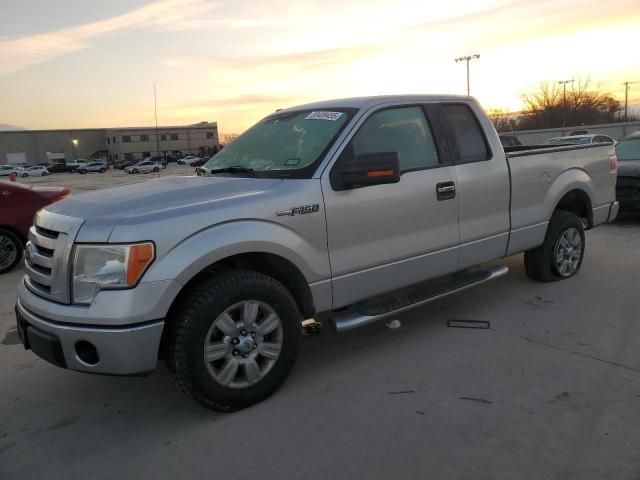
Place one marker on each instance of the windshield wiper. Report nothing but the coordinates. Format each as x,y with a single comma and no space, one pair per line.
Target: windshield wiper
250,171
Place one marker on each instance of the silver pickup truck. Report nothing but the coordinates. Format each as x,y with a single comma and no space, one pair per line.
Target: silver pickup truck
348,211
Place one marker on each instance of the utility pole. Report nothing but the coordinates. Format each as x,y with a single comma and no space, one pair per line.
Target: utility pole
626,98
467,59
155,111
564,100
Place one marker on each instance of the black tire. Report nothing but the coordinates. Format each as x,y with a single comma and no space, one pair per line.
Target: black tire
15,243
25,175
135,170
156,169
44,174
193,319
540,263
102,170
82,172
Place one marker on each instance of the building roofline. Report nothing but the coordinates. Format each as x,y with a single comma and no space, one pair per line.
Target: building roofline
105,129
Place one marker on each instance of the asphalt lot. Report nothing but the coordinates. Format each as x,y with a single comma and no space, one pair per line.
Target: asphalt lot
550,391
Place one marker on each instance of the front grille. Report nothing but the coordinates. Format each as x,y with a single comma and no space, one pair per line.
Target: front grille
47,255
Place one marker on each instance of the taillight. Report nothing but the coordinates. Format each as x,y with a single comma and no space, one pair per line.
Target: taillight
613,167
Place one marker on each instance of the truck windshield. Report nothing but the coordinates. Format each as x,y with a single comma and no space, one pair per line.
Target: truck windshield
628,149
287,144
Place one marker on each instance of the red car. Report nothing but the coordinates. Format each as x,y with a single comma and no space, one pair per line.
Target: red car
18,204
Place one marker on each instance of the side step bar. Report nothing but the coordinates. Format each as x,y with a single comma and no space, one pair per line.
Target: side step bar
354,319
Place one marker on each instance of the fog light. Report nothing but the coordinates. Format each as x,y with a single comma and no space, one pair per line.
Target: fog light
87,352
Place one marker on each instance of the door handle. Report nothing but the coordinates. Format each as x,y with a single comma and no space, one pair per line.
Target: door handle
446,190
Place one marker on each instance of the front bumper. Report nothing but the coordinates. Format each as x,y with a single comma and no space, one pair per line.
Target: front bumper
121,350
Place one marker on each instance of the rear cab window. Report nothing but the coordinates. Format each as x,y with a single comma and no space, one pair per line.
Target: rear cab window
466,133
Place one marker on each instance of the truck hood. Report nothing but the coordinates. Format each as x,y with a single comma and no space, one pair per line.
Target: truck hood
629,168
164,197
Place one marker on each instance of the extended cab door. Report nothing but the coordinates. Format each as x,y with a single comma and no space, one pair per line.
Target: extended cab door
384,237
484,185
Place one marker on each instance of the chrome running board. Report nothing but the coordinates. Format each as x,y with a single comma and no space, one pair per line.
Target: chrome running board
372,313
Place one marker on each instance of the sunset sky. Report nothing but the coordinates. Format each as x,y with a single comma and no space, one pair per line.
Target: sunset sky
89,63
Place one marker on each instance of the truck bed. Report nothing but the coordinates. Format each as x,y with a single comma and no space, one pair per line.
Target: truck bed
541,175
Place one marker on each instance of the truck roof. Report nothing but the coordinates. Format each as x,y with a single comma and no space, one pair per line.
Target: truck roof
372,101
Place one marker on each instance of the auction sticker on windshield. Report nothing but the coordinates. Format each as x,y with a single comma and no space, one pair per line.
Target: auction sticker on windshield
332,116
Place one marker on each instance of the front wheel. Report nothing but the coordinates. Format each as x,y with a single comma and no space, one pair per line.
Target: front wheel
156,169
561,254
234,340
135,170
11,250
24,175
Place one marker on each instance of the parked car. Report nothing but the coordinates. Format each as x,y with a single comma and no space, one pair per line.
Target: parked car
161,161
36,171
188,160
18,205
145,166
580,140
61,168
628,186
509,140
6,170
100,167
199,163
349,211
122,164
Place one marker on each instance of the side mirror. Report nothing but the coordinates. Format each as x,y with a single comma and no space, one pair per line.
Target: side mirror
365,170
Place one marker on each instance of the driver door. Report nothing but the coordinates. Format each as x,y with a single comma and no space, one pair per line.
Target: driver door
384,237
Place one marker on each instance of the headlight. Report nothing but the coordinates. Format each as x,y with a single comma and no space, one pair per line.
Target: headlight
100,267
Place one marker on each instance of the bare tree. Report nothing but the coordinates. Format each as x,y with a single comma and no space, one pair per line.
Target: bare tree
227,138
502,120
553,107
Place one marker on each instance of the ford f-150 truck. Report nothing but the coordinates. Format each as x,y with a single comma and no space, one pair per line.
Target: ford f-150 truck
347,211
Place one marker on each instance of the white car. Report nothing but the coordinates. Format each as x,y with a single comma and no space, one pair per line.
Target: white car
37,171
188,160
145,166
580,140
93,167
6,170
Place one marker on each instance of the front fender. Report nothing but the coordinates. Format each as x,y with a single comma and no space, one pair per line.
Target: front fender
221,241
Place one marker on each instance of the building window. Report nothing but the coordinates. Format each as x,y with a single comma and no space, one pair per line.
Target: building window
174,136
108,141
163,137
113,139
146,154
144,138
126,138
209,134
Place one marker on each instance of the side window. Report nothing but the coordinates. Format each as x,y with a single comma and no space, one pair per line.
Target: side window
403,130
467,133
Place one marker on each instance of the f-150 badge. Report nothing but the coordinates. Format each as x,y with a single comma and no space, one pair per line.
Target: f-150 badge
301,210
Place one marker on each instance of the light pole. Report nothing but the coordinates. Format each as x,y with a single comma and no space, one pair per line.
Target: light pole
564,99
467,59
626,97
74,142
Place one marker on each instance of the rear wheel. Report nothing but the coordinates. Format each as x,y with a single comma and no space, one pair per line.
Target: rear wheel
24,175
234,340
561,254
156,169
102,170
11,250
